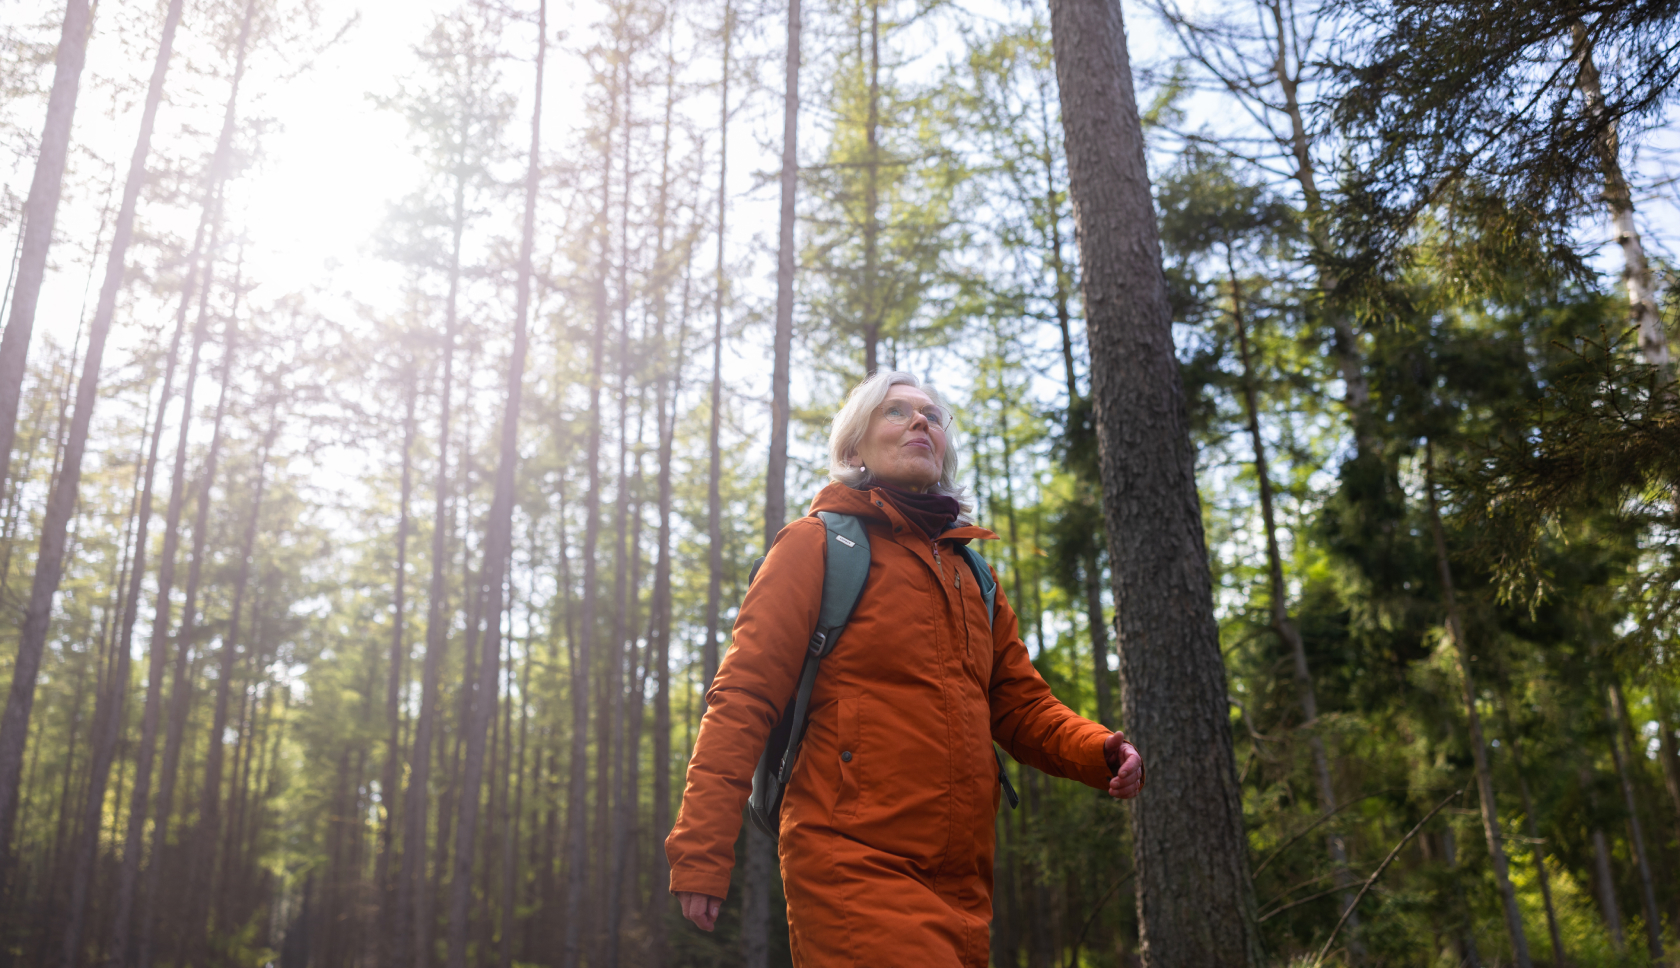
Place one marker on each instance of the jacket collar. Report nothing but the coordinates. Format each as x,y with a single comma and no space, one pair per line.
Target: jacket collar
873,505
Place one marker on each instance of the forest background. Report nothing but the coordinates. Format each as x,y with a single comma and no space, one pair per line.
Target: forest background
326,649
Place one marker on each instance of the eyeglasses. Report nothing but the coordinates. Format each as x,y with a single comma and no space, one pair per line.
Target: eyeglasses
901,414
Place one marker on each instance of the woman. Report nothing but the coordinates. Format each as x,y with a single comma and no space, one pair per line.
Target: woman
887,824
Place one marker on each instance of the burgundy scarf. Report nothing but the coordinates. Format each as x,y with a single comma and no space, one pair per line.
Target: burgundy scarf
933,513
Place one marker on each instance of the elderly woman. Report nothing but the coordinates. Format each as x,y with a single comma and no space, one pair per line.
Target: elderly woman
886,835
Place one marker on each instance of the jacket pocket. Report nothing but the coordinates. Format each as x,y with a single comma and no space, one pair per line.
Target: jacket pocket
846,803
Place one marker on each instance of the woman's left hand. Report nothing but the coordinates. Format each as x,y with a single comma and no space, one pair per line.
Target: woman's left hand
1127,764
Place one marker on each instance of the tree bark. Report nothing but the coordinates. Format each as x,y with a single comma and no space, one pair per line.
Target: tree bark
202,849
668,391
40,214
498,544
1532,829
1195,899
414,898
49,561
111,695
611,823
181,696
498,547
577,819
140,801
714,501
775,479
1643,311
389,943
1641,857
1478,750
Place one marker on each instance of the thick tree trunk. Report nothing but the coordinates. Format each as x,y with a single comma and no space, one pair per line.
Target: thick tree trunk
49,560
498,545
1195,899
1478,750
40,214
1621,753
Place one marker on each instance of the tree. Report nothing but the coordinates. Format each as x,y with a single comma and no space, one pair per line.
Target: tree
40,214
1195,903
49,562
498,542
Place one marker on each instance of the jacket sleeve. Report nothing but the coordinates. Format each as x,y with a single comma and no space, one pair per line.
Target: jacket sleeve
755,680
1032,725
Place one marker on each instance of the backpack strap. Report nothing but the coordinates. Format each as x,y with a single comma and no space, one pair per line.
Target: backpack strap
845,570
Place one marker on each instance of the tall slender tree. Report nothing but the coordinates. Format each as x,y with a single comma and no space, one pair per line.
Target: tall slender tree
40,214
498,540
49,560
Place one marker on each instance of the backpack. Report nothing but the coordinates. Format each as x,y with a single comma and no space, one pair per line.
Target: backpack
845,570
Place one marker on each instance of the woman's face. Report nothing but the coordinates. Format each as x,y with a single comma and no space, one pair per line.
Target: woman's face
902,447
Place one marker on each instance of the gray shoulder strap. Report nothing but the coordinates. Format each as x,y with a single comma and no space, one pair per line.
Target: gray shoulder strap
845,570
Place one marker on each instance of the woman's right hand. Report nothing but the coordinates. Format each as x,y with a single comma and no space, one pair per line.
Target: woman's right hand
702,909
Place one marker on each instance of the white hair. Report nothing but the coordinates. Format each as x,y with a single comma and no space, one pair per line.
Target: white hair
852,422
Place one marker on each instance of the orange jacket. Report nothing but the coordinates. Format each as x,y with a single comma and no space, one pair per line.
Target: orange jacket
887,825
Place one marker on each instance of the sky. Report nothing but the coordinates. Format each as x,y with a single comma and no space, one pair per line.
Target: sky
334,160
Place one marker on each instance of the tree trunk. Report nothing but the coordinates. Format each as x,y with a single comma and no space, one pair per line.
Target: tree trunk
1605,880
140,801
610,820
40,213
49,561
498,546
775,480
1195,899
1282,623
1532,829
668,390
1643,313
1641,857
181,696
1344,342
1665,747
513,814
714,502
130,613
414,898
202,849
389,945
111,693
1467,689
577,818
